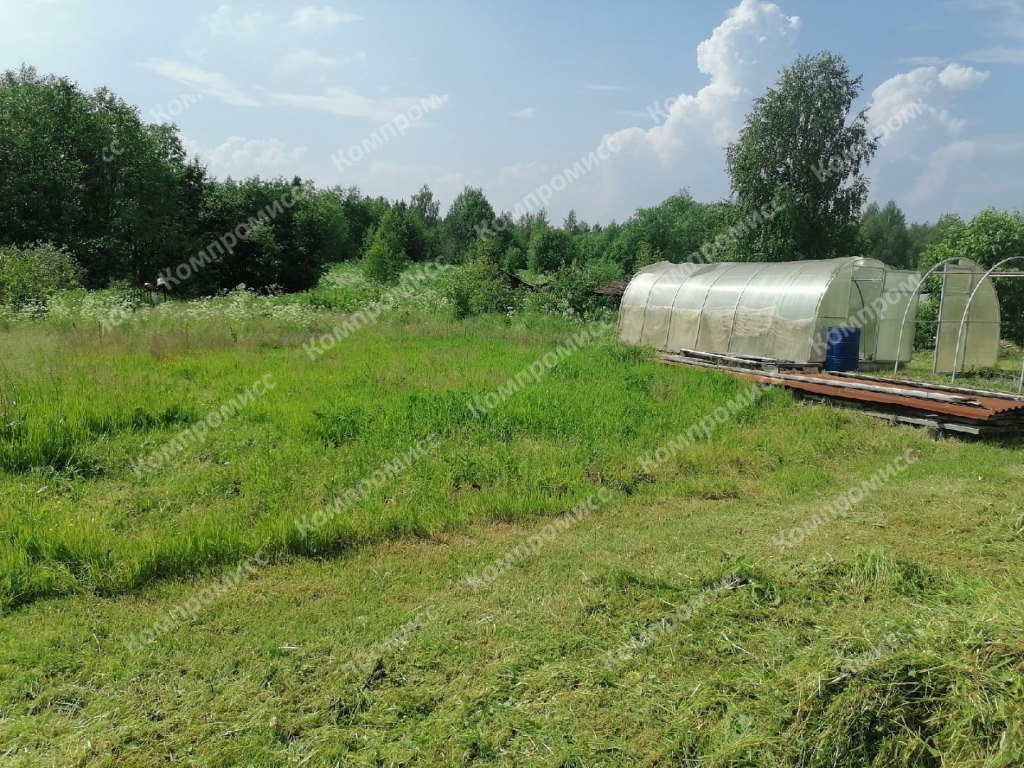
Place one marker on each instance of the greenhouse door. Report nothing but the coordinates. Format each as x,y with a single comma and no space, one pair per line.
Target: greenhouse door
977,346
865,287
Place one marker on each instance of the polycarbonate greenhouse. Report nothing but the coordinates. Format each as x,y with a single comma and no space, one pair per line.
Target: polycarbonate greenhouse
960,344
778,310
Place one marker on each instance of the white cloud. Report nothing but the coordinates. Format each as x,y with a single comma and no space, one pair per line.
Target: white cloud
226,21
899,92
938,167
997,54
741,58
683,143
346,102
304,62
190,145
399,180
1011,22
927,160
252,155
1010,25
310,18
684,139
922,61
211,84
523,172
525,114
929,89
957,77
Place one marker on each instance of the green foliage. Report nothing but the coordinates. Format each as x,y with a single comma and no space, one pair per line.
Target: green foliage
679,229
514,259
551,249
800,151
571,289
927,321
469,212
573,225
81,170
988,239
33,274
646,255
923,236
884,234
294,232
524,228
361,215
318,233
879,639
424,223
386,257
487,249
338,425
478,287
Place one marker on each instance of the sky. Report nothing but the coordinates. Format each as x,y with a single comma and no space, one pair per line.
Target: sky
642,97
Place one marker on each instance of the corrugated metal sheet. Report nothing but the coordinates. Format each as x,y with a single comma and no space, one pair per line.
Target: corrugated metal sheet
959,410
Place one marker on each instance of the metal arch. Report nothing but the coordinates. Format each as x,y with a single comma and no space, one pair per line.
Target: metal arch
967,309
903,324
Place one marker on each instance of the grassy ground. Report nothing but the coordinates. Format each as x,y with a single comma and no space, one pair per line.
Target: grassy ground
1005,376
667,625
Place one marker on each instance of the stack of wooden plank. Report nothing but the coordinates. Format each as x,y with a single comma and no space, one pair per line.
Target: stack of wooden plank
949,409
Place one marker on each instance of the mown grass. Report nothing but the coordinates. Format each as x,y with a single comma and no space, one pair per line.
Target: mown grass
890,636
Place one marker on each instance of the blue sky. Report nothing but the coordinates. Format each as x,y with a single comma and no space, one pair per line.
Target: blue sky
531,87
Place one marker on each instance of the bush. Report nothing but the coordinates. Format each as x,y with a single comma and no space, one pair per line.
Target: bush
551,249
571,289
478,288
34,273
514,259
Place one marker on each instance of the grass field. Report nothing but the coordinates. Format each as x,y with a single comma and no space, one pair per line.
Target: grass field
709,606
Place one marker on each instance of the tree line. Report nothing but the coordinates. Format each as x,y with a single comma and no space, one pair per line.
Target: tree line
117,200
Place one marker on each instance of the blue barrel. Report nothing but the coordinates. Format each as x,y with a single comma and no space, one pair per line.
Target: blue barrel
843,352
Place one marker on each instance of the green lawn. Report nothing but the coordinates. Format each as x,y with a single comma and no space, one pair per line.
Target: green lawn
180,616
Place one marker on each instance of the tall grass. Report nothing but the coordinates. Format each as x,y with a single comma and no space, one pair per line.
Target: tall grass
80,408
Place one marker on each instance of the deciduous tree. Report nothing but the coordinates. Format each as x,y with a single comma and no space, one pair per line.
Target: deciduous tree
802,153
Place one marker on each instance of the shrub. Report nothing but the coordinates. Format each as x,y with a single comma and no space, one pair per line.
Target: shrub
551,249
478,288
572,288
35,273
514,259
